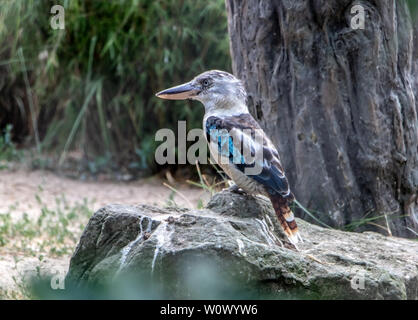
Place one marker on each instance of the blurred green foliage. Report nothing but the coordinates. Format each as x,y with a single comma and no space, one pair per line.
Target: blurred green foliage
200,278
413,8
8,151
92,85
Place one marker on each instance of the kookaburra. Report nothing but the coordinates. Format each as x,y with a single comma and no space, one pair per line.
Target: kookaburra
226,112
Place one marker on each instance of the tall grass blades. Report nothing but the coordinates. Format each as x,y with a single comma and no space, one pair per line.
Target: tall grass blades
91,86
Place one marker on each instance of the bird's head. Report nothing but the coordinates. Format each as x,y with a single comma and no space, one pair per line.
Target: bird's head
215,89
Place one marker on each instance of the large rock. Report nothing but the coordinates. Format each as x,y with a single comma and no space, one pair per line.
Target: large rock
235,248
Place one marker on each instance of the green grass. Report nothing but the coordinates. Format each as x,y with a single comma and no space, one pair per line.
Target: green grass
55,232
91,86
8,151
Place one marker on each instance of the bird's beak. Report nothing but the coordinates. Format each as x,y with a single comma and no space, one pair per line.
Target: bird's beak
181,92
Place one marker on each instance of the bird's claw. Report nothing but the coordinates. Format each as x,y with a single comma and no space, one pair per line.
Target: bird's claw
235,189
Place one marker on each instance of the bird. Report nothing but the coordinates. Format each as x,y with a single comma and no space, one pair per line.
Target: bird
229,128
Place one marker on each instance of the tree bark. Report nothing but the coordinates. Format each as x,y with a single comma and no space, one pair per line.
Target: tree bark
338,102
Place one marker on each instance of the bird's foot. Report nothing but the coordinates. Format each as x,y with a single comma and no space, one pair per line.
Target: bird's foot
235,189
290,245
294,239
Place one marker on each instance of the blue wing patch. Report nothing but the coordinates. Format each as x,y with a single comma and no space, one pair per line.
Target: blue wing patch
271,176
226,146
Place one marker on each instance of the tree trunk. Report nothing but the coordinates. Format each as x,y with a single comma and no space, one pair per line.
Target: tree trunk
338,102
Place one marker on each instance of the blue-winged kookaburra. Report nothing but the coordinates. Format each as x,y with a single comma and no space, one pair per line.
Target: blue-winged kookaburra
226,113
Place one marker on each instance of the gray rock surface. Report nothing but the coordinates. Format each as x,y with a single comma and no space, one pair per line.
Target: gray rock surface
235,248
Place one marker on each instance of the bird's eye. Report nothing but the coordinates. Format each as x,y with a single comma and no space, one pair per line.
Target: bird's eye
205,82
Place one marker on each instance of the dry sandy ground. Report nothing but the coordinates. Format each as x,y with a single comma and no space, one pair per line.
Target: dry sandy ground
19,188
